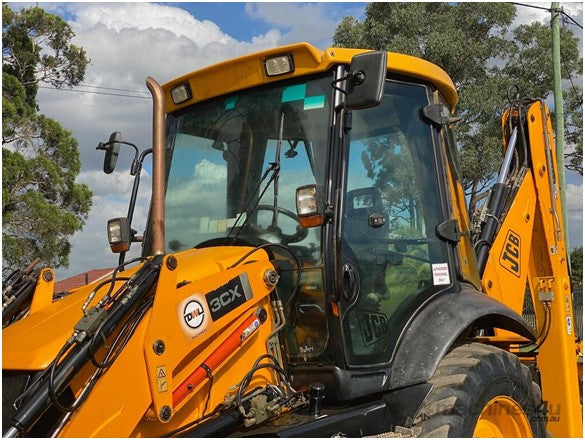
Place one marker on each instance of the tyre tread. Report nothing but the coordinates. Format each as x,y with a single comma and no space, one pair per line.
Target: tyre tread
457,382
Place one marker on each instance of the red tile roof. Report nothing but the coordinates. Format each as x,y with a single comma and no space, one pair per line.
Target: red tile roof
80,280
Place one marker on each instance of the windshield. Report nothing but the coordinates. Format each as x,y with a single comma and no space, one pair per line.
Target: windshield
234,165
231,179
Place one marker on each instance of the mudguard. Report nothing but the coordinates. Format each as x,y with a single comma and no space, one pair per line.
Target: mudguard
432,331
423,343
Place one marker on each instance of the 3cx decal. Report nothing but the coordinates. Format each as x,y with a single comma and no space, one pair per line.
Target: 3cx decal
510,257
193,314
229,296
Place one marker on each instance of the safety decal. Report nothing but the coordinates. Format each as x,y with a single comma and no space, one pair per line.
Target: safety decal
193,315
441,274
569,325
161,379
510,257
229,296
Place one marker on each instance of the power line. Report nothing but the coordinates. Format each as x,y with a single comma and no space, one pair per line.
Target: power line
531,6
561,10
112,88
95,93
575,22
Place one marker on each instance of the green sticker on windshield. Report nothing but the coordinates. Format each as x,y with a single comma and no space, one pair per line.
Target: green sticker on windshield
314,102
230,103
294,93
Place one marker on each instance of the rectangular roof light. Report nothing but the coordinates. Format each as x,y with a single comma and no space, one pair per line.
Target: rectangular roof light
279,65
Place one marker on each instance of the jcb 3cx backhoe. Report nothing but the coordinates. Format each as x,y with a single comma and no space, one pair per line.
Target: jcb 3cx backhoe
309,269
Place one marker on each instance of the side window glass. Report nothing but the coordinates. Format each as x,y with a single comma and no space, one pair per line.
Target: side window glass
457,203
391,211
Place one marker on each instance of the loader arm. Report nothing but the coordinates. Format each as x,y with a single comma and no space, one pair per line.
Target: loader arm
529,248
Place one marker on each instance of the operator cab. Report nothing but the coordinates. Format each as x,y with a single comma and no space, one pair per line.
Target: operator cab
235,163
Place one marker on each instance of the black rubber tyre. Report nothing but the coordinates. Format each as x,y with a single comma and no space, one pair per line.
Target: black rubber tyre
469,377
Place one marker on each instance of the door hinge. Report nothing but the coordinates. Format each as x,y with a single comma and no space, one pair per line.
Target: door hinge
449,231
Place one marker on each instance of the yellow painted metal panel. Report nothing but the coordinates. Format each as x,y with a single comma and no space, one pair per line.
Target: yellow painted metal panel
128,398
248,71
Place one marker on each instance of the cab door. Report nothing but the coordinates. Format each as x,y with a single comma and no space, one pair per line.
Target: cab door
392,258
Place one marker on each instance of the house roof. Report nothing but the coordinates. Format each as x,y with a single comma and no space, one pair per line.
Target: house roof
81,279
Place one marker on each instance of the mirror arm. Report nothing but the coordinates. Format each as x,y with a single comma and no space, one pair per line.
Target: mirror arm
136,184
336,87
104,145
137,167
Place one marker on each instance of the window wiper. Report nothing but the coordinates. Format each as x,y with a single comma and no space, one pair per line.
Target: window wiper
276,175
275,168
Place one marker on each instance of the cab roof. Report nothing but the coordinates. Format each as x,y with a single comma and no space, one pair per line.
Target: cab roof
248,71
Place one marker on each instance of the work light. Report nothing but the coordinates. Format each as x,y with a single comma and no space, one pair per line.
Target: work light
279,65
310,206
181,93
119,234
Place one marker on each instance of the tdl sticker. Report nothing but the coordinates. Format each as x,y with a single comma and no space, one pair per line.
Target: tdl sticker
193,315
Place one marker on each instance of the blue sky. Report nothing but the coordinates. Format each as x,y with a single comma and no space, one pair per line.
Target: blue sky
129,41
237,19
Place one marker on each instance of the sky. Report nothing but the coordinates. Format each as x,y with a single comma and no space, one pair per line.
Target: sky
129,41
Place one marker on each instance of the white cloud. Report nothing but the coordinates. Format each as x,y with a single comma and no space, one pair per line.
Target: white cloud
301,21
537,11
210,171
127,42
574,207
174,20
119,183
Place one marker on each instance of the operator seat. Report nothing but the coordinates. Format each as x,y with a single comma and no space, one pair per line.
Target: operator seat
361,239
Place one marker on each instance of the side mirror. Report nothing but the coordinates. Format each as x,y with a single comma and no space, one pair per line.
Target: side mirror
112,151
119,234
310,206
365,82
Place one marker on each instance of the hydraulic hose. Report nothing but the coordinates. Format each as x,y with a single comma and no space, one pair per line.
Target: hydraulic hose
495,206
40,400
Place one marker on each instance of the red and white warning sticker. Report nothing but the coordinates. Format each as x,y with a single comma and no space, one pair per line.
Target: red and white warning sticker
441,274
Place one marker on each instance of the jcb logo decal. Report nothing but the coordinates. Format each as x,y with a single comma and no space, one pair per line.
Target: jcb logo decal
373,326
510,258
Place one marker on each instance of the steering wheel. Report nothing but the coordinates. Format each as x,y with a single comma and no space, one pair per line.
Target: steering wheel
300,235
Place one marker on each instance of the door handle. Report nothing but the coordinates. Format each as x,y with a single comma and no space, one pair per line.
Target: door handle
350,281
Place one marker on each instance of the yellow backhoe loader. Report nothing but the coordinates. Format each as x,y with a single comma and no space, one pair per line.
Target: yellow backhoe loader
309,269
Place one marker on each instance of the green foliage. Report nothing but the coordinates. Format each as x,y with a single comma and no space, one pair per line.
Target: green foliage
473,42
573,101
42,205
36,48
391,167
577,274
